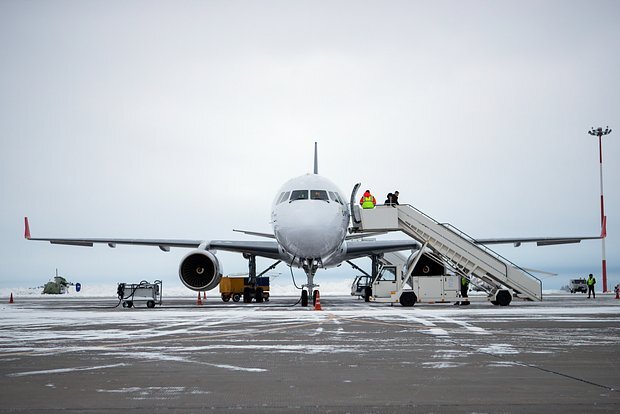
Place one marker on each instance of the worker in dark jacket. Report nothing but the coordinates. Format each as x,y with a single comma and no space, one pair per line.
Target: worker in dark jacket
591,282
388,200
395,198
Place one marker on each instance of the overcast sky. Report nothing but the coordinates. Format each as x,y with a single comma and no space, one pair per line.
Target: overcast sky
182,119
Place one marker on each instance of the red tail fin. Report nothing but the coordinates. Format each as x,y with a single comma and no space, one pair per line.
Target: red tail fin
26,228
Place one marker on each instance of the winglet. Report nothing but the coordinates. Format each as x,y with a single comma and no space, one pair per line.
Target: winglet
604,228
26,229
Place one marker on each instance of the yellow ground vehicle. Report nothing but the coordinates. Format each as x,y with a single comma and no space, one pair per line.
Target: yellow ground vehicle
236,287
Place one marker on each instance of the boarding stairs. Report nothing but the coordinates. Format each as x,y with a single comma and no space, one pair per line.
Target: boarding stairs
454,246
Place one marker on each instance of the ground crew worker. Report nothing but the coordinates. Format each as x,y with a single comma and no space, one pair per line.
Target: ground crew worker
368,200
591,282
464,290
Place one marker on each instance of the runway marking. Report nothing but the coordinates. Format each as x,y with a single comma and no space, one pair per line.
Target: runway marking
125,344
63,370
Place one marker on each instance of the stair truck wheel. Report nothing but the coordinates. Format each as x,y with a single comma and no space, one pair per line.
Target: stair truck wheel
225,297
304,298
236,297
503,298
150,304
408,299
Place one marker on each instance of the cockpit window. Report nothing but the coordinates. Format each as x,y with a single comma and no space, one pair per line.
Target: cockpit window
299,195
283,197
318,195
334,196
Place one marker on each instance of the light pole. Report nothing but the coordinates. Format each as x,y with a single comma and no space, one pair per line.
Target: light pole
599,132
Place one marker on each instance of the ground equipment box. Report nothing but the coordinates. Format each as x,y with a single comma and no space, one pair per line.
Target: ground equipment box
130,293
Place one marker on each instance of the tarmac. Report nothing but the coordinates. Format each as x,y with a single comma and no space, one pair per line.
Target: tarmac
59,354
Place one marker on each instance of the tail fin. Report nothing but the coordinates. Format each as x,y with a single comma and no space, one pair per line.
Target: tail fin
316,159
26,228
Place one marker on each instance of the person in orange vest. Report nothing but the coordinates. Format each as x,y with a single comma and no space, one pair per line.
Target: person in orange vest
368,200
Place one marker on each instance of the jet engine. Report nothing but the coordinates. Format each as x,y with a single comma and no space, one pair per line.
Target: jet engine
200,270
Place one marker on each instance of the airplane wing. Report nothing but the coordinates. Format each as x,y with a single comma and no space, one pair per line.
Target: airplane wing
356,249
545,241
267,249
540,241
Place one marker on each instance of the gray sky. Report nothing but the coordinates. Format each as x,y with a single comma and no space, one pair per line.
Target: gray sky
182,119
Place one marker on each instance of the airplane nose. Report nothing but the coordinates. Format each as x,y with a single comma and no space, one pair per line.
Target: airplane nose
311,232
314,241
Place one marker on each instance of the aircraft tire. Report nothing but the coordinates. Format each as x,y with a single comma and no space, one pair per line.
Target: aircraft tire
304,298
367,293
247,295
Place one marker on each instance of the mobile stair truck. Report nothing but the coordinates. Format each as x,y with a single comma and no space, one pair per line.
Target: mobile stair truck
447,245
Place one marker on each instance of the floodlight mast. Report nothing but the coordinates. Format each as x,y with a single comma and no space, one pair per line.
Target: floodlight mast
599,132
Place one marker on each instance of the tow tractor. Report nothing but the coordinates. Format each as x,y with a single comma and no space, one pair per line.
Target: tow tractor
237,287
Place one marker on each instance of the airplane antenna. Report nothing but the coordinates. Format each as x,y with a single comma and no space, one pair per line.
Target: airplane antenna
316,159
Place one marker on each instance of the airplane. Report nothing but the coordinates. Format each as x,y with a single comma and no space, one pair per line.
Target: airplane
310,220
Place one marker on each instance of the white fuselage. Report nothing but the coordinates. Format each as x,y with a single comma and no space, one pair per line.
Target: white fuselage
310,220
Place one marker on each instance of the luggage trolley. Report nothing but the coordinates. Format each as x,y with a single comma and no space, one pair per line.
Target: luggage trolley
143,291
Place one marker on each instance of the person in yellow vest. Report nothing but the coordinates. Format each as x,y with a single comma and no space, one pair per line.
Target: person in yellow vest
464,290
591,282
368,200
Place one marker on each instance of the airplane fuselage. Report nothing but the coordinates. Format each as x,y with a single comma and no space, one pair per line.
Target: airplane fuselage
310,220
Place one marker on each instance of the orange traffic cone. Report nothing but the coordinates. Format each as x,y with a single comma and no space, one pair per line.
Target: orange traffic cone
199,301
317,304
11,298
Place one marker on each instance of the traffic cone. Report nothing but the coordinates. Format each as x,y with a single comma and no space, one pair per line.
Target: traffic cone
204,295
317,304
11,298
199,301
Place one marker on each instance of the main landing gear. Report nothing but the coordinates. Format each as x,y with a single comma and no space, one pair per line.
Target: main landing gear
252,291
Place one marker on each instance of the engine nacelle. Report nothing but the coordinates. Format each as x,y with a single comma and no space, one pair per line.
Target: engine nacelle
200,270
